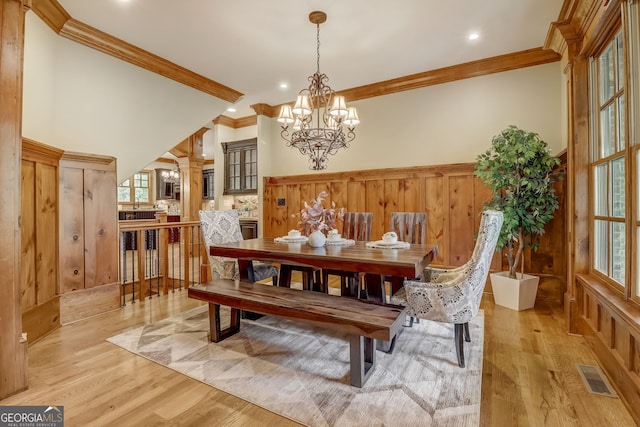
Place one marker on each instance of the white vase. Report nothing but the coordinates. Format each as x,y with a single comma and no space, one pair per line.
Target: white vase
317,239
516,294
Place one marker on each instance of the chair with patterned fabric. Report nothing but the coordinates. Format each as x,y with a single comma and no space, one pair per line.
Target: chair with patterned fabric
453,296
219,227
410,227
356,226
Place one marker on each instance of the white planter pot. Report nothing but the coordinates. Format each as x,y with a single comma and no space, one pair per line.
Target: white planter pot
516,294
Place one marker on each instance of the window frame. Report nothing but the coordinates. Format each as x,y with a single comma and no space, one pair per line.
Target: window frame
625,24
132,189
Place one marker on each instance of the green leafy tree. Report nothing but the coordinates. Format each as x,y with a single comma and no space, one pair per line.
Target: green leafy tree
520,171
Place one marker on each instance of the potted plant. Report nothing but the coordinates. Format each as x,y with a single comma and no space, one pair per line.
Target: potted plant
520,171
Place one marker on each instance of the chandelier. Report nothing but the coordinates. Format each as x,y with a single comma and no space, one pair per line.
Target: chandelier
320,120
172,176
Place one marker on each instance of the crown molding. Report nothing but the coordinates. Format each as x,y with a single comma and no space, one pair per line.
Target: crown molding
482,67
266,109
55,16
240,122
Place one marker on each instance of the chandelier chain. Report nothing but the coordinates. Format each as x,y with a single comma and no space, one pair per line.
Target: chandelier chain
318,48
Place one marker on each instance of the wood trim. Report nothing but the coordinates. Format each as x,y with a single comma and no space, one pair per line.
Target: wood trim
51,13
241,122
611,326
13,356
224,121
87,161
267,110
482,67
165,160
54,15
614,301
38,152
247,121
84,303
607,18
40,320
389,173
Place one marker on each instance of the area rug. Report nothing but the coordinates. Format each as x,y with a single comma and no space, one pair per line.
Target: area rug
302,372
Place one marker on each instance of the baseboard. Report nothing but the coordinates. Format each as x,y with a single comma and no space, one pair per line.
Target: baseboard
84,303
38,321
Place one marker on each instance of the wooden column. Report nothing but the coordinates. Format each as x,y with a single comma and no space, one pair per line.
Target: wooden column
190,160
190,188
13,356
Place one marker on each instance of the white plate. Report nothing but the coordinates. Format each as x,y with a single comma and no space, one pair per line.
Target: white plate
295,239
340,240
383,243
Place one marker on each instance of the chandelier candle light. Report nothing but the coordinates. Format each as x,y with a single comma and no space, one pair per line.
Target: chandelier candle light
172,176
319,116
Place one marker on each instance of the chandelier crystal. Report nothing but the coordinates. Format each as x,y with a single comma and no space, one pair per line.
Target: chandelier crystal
321,122
172,176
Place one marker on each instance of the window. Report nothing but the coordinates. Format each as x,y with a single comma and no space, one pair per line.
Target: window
135,189
615,226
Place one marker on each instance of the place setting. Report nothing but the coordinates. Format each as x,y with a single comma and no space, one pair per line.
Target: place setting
293,236
335,239
389,241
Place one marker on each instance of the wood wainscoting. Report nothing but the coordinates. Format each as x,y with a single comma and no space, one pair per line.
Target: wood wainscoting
611,326
88,241
451,195
39,286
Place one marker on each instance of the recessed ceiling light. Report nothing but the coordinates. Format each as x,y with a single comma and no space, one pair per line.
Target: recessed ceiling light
231,110
283,85
474,36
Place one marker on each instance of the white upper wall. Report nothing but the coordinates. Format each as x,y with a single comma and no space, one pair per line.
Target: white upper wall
78,99
442,124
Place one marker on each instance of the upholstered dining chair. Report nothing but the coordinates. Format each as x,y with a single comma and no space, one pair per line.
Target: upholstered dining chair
453,296
410,227
219,227
356,226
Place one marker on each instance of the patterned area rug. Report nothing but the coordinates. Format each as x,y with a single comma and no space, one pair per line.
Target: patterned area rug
302,372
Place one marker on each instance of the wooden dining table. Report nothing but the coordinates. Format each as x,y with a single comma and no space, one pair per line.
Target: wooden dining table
375,263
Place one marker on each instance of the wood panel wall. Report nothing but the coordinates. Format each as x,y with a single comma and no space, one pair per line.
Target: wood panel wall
88,236
450,194
39,284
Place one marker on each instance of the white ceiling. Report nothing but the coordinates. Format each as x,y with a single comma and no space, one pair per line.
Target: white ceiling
254,45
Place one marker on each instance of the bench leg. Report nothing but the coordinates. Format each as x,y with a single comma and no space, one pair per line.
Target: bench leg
217,334
362,358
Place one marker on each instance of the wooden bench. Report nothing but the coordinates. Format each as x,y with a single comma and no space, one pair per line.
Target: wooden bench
364,321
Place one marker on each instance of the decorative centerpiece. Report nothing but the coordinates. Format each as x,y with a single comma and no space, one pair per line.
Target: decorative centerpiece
316,220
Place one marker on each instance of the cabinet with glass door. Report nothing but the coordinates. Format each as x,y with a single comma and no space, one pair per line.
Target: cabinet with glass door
241,166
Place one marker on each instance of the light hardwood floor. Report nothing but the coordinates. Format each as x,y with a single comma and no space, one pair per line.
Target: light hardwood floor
529,375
